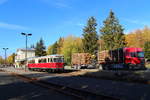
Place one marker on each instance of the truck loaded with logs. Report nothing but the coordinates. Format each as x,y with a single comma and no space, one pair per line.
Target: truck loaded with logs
121,58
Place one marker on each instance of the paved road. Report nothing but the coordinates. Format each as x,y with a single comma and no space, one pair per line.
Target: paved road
12,88
123,90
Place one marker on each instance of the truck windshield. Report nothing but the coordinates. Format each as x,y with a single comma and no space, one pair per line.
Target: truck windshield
140,54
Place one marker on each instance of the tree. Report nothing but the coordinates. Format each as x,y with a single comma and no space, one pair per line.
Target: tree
138,38
56,47
90,37
1,60
71,45
40,48
147,49
11,59
112,33
32,46
52,49
60,45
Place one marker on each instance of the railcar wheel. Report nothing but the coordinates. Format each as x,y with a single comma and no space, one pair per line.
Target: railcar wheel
52,70
29,69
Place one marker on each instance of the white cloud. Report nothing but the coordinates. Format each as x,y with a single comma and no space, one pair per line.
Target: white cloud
61,5
80,24
3,1
73,23
57,3
12,26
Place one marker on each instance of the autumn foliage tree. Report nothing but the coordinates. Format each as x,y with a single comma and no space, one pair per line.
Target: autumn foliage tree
147,49
1,60
138,38
60,45
56,47
11,59
71,45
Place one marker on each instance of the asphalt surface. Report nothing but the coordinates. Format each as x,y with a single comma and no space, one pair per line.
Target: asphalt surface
122,90
13,88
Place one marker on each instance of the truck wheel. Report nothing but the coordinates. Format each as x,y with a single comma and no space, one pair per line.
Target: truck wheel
130,68
107,67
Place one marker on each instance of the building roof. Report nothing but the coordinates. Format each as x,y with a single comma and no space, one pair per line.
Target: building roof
24,49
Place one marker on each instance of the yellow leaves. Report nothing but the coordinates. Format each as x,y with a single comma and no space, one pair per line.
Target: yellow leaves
71,44
138,37
10,59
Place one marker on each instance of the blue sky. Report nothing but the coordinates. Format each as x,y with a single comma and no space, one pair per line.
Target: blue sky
51,19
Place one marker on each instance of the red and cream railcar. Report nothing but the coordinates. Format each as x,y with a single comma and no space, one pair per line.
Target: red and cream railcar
50,63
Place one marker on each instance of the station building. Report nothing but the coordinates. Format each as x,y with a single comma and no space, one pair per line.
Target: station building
20,57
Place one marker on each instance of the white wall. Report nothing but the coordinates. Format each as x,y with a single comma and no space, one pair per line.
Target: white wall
21,54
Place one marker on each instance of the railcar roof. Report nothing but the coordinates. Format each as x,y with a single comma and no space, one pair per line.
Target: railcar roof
53,56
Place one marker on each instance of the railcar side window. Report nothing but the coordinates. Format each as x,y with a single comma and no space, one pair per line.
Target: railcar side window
58,60
43,60
31,61
39,61
50,60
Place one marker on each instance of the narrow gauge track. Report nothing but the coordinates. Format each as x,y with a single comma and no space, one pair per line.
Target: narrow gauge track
79,94
118,76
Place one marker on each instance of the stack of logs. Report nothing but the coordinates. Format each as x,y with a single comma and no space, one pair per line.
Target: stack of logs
81,58
104,56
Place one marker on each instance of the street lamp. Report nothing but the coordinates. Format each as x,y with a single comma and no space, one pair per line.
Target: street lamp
5,49
26,35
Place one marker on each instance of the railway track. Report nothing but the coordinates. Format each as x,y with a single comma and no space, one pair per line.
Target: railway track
76,93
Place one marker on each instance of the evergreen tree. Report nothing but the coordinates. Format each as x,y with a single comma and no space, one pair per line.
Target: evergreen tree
147,49
52,49
40,48
32,46
90,37
112,33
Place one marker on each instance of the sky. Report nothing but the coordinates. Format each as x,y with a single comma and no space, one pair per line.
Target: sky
51,19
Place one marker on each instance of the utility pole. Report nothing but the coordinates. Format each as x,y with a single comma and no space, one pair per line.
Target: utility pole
26,35
5,49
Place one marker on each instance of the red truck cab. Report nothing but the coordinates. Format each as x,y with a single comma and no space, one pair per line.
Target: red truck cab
134,58
122,58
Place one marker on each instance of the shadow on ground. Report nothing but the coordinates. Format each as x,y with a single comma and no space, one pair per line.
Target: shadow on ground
15,89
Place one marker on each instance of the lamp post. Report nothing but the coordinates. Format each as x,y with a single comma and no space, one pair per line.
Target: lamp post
5,49
26,35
